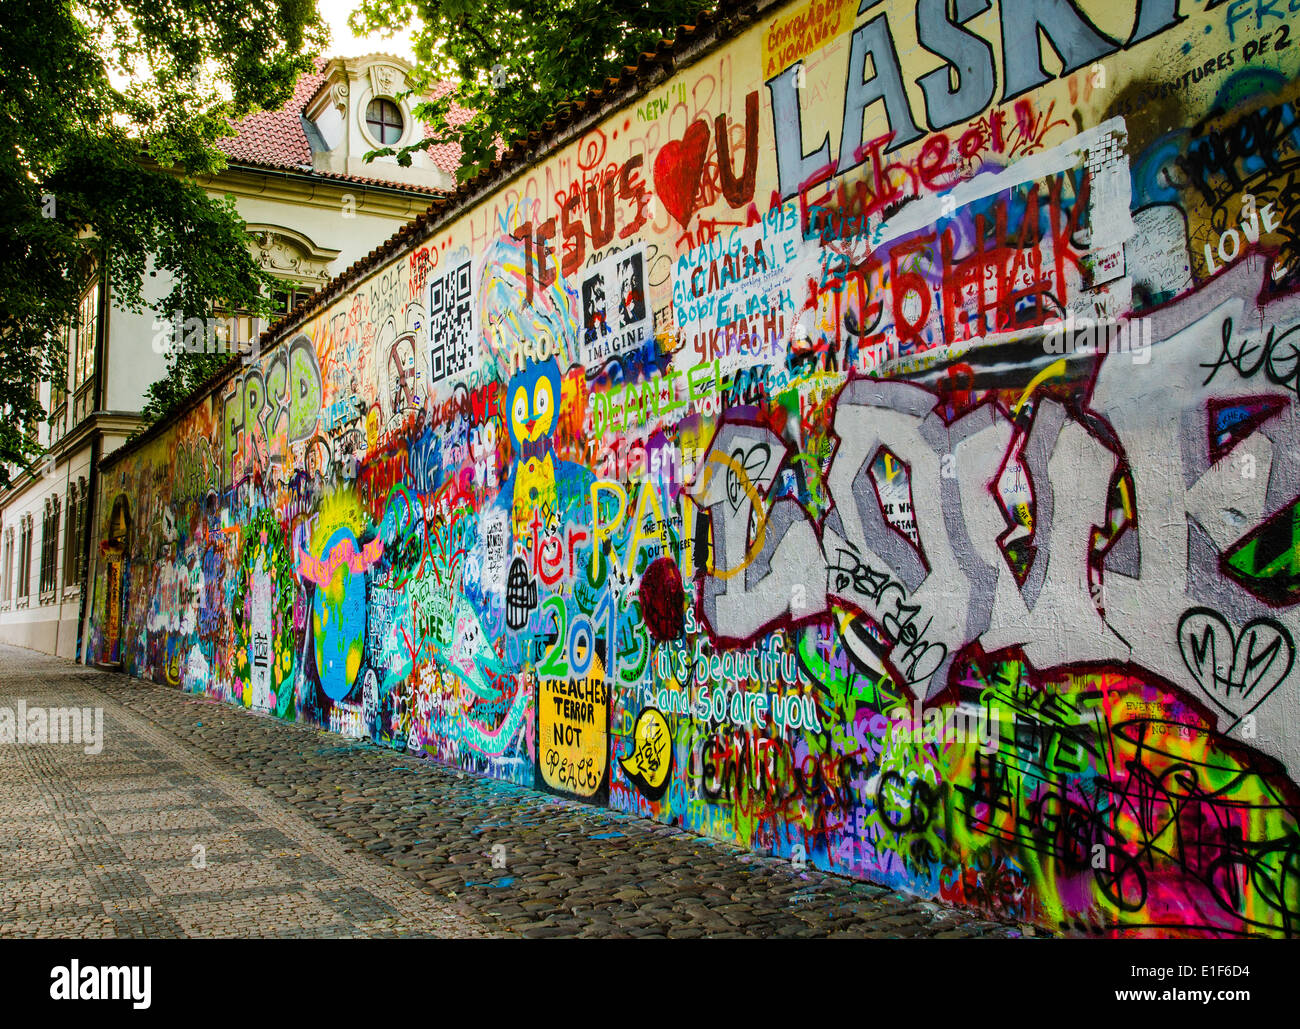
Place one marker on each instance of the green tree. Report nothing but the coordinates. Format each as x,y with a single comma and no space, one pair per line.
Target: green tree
109,109
516,63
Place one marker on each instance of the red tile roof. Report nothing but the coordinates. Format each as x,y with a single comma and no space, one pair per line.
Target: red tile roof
447,155
276,139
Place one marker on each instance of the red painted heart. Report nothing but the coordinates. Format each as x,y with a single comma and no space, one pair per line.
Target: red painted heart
678,170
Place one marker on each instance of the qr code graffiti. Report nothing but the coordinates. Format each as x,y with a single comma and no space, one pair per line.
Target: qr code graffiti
451,323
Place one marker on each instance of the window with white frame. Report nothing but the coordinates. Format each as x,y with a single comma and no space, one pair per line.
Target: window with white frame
50,547
8,568
74,533
25,557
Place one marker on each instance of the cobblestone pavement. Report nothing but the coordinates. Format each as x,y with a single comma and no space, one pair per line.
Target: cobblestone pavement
108,844
307,834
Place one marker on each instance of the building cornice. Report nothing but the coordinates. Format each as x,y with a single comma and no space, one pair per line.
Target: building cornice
305,189
111,422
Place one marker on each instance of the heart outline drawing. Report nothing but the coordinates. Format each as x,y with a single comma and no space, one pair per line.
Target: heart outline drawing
678,169
752,464
1248,671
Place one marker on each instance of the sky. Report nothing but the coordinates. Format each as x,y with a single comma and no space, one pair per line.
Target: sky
344,44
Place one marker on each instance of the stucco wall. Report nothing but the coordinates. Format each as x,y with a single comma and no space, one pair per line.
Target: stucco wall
880,464
44,621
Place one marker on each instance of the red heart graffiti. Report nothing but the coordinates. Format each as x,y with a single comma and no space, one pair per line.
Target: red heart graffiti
678,170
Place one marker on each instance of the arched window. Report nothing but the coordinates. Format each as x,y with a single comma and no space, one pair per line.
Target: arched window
384,119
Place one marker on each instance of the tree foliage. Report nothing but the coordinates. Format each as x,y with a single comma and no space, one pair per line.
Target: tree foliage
516,63
109,110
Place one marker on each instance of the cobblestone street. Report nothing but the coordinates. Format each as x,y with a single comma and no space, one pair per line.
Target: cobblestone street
301,833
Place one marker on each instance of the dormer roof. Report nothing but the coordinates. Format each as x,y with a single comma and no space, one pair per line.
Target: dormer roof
290,138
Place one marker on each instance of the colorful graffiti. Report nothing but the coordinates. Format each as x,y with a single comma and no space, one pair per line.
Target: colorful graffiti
877,445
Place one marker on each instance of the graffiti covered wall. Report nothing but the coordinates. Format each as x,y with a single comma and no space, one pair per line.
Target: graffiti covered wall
874,444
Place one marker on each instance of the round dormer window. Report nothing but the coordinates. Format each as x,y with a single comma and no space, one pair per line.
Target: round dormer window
384,120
